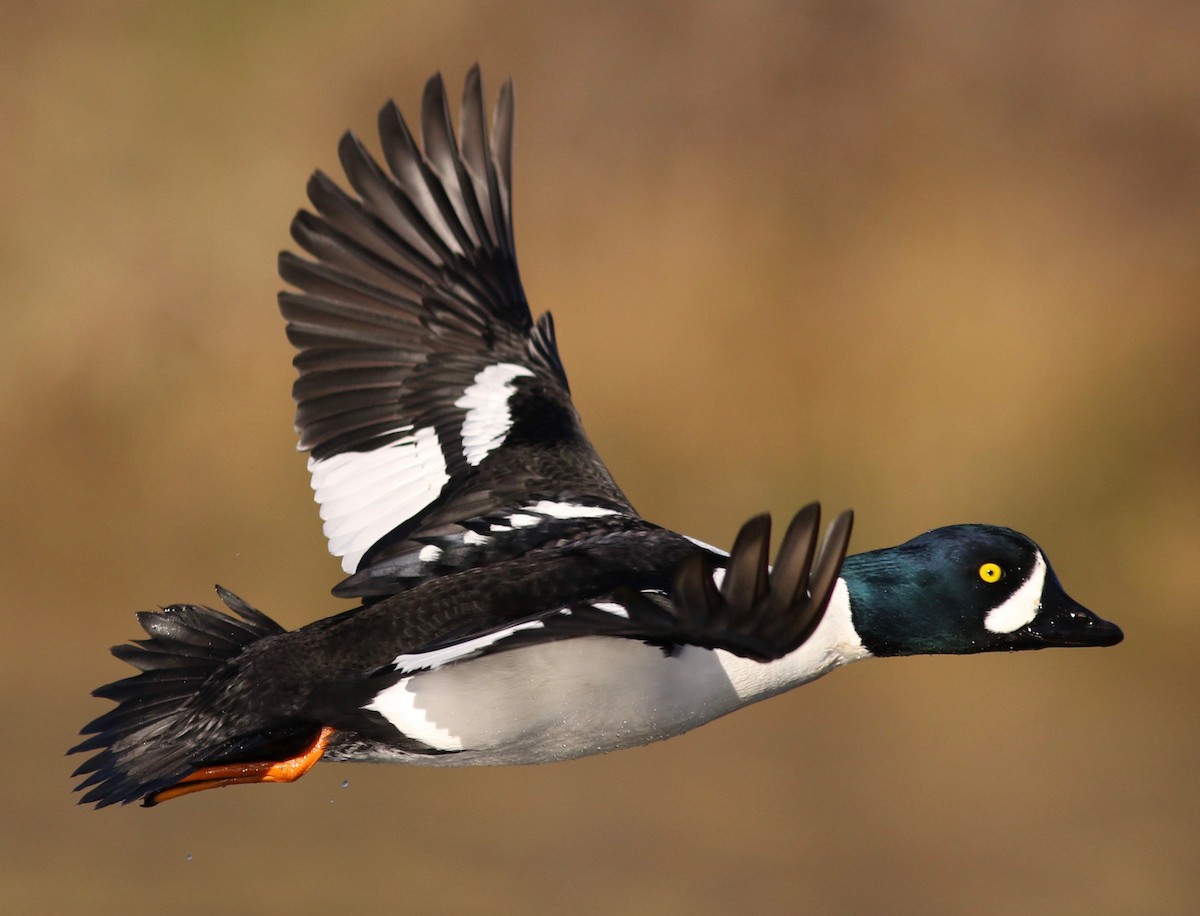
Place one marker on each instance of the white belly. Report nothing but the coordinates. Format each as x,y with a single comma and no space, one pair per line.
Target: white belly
589,695
558,700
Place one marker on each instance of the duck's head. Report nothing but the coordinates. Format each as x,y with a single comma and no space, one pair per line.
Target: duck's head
965,589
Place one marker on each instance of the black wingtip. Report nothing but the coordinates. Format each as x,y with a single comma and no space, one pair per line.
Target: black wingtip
434,94
502,138
747,577
795,559
767,615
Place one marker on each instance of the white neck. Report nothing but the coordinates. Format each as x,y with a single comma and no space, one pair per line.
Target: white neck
833,644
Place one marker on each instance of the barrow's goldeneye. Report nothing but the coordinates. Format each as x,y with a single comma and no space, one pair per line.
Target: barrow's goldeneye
512,607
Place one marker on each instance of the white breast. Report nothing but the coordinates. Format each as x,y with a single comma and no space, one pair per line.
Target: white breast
589,695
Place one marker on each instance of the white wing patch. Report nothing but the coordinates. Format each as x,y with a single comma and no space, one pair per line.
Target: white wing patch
364,495
1022,605
488,418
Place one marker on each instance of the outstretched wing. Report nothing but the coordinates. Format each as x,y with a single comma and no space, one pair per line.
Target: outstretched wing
756,612
436,411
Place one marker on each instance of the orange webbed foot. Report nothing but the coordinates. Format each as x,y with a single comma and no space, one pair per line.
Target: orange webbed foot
234,774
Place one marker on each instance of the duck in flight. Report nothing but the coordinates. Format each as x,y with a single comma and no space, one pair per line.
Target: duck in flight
511,606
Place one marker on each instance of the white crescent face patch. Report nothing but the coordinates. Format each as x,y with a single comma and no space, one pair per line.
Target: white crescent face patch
1022,605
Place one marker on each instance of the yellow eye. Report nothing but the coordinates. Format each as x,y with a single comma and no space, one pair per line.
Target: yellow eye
991,572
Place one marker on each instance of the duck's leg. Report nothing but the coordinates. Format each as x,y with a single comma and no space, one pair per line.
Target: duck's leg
233,774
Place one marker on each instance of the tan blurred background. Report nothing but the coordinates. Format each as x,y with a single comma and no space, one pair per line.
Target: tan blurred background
936,261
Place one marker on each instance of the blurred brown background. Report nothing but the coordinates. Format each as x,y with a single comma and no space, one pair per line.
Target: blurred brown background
935,261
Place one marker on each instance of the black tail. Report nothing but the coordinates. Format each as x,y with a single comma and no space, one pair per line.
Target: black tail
147,742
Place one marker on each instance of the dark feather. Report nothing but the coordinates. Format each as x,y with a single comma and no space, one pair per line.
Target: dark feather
754,614
142,744
413,291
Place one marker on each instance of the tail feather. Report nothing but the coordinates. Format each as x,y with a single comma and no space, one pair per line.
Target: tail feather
141,745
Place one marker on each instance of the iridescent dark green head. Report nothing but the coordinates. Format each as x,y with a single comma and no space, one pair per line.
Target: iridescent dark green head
965,589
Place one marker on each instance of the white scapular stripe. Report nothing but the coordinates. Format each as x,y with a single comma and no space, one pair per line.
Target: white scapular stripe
545,508
423,661
568,510
364,495
488,418
611,607
1022,605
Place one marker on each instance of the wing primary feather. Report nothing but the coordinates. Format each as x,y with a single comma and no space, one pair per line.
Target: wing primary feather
828,565
347,216
439,186
452,160
809,605
441,154
746,578
390,204
472,128
407,165
794,560
502,144
406,302
333,246
695,595
757,613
